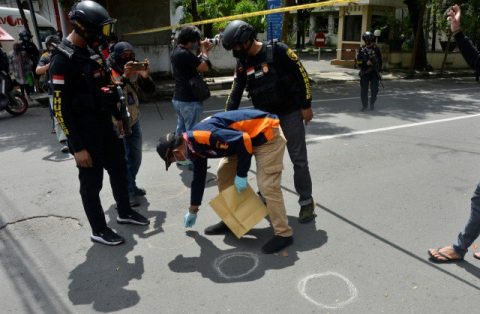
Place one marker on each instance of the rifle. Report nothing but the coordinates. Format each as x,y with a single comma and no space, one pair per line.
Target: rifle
120,94
369,55
124,110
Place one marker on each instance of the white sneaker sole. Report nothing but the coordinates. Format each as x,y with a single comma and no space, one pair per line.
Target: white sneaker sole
131,221
102,241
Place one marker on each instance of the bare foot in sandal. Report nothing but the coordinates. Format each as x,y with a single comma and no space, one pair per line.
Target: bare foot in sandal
476,255
444,255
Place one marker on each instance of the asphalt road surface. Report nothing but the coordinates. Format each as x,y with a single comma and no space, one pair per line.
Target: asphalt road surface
388,185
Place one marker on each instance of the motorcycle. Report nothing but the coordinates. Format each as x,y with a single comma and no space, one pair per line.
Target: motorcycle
11,99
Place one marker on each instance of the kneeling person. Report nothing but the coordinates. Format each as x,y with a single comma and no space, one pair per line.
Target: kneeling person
236,136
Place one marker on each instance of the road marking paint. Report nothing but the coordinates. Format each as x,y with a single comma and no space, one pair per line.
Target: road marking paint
352,290
218,110
390,128
424,92
217,264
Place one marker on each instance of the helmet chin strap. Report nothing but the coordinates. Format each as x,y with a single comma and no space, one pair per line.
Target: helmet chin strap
249,47
90,41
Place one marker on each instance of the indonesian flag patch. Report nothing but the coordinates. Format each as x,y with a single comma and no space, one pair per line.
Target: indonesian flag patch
250,71
58,79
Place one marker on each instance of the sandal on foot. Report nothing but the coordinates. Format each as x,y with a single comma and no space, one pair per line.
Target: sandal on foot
442,258
476,255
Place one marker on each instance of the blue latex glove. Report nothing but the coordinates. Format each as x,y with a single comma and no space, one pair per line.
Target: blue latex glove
240,183
189,219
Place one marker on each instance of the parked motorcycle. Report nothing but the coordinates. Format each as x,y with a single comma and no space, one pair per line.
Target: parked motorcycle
11,99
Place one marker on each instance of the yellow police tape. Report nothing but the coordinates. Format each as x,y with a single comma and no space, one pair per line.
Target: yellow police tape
247,15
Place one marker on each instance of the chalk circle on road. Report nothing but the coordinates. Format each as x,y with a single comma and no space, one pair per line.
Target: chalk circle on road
220,263
172,233
352,290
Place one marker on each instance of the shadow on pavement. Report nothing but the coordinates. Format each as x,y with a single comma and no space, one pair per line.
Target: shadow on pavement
187,176
103,278
470,268
245,262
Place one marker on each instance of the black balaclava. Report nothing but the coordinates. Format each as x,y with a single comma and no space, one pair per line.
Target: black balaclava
118,50
242,53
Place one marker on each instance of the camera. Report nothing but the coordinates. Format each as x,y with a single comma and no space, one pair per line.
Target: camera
215,40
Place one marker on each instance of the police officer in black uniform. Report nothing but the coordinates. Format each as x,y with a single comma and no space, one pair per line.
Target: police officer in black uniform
276,82
84,104
369,59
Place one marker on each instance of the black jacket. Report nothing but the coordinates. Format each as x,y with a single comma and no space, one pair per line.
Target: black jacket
79,103
279,87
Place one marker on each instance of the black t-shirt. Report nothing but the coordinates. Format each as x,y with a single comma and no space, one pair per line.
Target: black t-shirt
184,66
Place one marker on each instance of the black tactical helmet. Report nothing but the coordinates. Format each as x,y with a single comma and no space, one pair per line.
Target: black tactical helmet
91,21
51,39
25,36
189,34
237,32
368,37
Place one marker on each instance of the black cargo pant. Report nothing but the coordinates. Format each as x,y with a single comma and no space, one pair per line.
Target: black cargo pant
107,152
294,131
369,79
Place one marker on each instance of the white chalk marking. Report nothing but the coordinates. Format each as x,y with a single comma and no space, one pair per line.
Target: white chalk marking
217,264
390,128
352,290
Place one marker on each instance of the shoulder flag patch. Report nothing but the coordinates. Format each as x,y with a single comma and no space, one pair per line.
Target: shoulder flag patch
292,55
58,79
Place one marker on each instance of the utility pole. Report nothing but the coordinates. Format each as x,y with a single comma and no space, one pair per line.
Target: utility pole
22,14
35,24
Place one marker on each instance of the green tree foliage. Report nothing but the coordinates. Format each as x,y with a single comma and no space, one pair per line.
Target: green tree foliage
209,9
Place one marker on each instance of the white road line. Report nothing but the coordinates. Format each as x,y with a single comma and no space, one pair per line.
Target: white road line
358,97
395,94
223,109
403,126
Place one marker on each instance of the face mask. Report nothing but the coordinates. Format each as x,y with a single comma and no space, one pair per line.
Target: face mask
239,54
243,52
122,62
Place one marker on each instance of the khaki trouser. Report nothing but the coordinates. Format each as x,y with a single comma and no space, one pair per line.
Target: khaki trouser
269,158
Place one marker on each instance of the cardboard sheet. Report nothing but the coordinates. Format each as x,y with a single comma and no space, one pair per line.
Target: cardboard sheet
239,211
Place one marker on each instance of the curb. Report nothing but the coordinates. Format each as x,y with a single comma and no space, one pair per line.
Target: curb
165,91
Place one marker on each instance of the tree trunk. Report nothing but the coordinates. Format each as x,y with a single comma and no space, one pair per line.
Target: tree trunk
416,10
286,22
434,28
195,16
447,49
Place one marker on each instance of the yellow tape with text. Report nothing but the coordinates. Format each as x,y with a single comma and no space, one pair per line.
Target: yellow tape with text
247,15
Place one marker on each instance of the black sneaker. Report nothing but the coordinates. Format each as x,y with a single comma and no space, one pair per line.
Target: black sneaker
107,237
307,213
133,218
363,109
218,228
139,191
277,243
